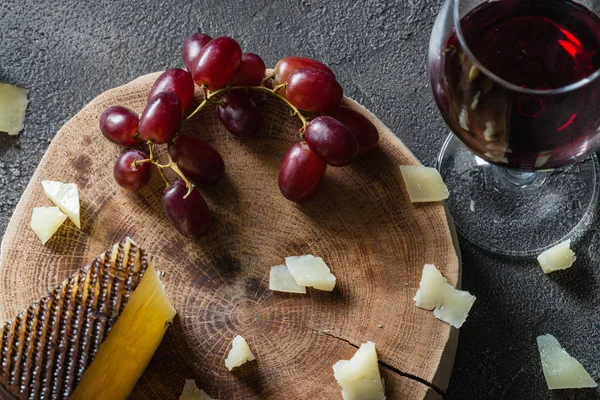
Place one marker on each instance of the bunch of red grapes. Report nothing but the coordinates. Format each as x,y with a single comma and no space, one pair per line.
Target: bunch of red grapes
225,74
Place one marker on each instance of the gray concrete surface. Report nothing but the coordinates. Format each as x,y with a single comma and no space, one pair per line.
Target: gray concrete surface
69,51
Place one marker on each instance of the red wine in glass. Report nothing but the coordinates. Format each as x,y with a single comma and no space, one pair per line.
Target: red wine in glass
523,93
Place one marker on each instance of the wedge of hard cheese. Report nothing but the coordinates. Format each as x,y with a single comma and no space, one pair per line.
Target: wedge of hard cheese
91,337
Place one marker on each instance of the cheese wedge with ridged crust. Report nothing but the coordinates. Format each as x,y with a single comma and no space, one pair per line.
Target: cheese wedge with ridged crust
92,336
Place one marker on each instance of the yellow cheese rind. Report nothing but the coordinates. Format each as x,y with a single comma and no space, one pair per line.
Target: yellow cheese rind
560,369
239,354
125,353
45,221
359,377
557,258
82,332
423,184
13,105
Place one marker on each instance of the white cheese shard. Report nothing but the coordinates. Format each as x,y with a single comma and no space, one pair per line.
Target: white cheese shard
496,157
424,184
45,221
448,304
475,102
191,392
312,271
240,353
281,280
66,197
560,369
490,131
556,258
13,104
463,119
359,377
542,159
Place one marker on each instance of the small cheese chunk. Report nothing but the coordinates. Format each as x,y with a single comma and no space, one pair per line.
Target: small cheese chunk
424,184
240,353
448,304
560,369
13,104
66,197
473,73
191,392
312,271
281,280
45,221
463,118
359,377
556,258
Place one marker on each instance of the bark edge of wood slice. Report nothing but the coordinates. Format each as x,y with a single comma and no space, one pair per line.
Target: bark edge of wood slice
361,222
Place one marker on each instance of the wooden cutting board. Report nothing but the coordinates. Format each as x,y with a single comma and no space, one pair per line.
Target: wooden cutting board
361,223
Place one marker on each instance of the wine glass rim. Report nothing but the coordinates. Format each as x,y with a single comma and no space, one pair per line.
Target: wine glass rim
505,83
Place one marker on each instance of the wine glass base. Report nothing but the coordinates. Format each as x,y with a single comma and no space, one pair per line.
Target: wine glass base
513,213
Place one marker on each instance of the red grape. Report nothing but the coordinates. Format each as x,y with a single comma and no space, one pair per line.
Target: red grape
217,61
239,115
331,141
178,81
313,90
287,65
190,216
120,125
129,174
161,118
250,72
191,48
198,160
300,173
363,130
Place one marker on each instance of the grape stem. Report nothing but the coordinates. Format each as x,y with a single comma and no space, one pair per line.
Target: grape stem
270,76
209,98
213,97
171,164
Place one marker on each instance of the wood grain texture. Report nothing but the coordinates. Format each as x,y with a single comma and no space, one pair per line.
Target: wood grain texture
361,223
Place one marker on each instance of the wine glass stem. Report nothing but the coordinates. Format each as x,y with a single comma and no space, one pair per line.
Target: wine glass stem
504,178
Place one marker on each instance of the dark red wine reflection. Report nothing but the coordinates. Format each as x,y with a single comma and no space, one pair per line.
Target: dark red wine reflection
540,47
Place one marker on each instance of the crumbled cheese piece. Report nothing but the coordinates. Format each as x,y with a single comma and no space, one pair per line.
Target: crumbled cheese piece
191,392
240,353
13,104
556,258
560,369
490,131
463,119
423,184
448,304
66,197
359,377
473,73
45,221
475,102
311,271
281,280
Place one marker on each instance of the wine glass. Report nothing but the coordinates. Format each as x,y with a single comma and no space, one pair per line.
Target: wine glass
517,82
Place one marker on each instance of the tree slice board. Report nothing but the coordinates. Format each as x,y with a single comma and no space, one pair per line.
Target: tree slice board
361,222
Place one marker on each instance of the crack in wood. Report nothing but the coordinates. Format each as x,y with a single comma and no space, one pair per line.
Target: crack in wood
326,333
387,366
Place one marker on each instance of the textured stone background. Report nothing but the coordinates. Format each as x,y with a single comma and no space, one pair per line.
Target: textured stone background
69,51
